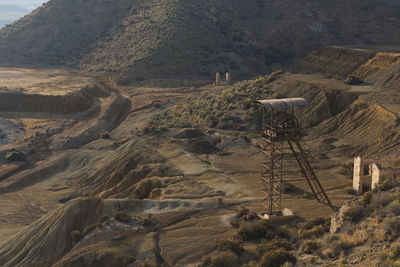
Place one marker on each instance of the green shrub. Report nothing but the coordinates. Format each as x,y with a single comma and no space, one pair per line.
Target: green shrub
392,227
215,110
355,213
310,246
243,211
105,135
387,183
274,244
337,247
121,141
326,222
315,228
366,198
76,235
395,253
289,188
276,258
222,259
256,229
379,200
234,246
15,155
394,207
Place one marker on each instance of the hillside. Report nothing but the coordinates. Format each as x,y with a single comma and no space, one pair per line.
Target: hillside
191,39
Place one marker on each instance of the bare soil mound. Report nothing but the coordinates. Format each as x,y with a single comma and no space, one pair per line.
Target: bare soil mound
339,61
362,128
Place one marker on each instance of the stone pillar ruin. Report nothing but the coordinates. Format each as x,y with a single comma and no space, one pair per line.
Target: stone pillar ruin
375,174
217,79
358,175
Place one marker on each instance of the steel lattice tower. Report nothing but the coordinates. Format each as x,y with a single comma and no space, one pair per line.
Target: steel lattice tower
282,150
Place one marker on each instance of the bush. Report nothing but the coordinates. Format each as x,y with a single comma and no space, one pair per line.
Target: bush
355,213
276,258
121,141
234,246
104,135
380,200
395,253
222,259
256,229
326,222
15,155
315,228
394,207
310,246
76,235
392,227
387,183
276,243
316,231
122,217
288,188
366,198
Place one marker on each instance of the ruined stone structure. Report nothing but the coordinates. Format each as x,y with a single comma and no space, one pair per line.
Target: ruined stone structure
218,81
370,180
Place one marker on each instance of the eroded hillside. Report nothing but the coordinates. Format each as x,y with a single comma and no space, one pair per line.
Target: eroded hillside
191,39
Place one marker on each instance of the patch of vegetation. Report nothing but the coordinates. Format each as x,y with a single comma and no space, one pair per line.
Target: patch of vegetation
232,245
220,259
289,188
315,228
333,246
274,244
392,228
276,258
121,141
15,155
387,183
355,213
233,108
104,135
310,246
76,235
256,229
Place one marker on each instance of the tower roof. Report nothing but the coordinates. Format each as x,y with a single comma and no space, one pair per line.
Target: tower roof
284,103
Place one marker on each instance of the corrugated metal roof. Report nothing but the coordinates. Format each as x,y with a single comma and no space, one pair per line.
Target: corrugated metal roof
284,103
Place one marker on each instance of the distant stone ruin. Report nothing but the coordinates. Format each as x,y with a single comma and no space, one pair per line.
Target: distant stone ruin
218,81
369,178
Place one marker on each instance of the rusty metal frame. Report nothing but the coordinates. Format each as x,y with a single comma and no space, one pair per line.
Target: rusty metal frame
281,146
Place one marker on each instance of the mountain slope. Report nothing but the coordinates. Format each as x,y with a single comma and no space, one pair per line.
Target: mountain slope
187,38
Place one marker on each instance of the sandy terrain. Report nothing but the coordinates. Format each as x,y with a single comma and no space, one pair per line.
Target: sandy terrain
73,177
